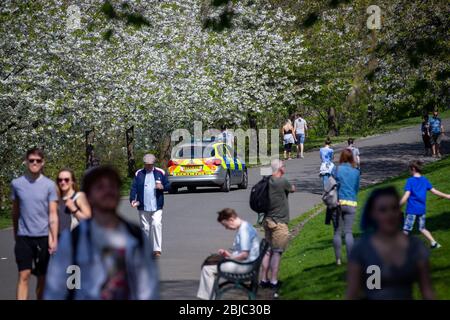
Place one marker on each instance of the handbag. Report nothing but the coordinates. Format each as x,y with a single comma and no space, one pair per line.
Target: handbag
213,260
74,220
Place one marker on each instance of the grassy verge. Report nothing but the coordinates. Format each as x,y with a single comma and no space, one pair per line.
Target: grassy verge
308,269
5,219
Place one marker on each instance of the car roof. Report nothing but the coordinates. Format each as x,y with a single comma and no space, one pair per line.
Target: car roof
199,144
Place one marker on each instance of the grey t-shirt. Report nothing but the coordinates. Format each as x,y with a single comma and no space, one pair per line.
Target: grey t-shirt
396,282
279,188
34,198
300,125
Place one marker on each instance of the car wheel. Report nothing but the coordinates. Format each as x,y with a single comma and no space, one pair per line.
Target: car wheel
226,184
244,182
173,190
191,188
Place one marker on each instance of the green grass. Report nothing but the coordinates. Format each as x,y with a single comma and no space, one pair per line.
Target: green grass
5,219
126,185
308,269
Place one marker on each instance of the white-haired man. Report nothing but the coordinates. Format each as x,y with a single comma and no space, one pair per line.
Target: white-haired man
147,195
276,224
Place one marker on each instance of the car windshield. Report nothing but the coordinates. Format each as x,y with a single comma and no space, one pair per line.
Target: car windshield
194,152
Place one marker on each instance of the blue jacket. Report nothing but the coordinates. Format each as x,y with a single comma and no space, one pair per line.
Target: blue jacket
142,271
137,188
347,178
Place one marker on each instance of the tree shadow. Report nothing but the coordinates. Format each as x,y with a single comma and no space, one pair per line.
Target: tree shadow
386,161
439,222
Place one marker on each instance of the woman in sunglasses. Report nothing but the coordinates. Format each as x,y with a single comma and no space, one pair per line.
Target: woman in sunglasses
73,205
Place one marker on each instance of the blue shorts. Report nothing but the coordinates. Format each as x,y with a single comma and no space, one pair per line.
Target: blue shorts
300,138
410,219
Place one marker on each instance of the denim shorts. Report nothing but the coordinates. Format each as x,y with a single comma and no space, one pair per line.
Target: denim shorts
300,138
410,219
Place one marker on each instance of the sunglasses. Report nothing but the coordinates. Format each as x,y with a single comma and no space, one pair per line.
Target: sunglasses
66,180
35,160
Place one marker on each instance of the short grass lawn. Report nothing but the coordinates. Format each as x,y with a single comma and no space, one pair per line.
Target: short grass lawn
308,269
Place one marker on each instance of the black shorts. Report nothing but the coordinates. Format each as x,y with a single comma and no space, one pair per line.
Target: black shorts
288,147
426,141
32,253
436,138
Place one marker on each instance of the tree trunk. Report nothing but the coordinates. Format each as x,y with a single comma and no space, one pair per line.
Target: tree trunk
252,123
164,151
130,152
332,128
90,159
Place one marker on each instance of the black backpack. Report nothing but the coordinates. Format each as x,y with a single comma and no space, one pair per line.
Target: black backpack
259,196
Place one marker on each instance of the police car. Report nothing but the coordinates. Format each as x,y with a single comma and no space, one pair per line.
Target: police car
206,163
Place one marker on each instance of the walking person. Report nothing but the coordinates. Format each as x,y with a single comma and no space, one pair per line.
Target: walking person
113,259
276,224
402,261
72,204
426,135
245,249
437,132
355,151
35,223
326,158
415,197
147,195
226,136
301,131
347,178
288,138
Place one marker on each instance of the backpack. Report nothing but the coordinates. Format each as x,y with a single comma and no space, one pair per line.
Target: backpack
259,196
330,194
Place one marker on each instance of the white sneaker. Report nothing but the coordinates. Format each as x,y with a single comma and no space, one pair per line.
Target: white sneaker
435,246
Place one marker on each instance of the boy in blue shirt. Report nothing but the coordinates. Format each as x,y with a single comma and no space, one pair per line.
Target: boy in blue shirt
415,198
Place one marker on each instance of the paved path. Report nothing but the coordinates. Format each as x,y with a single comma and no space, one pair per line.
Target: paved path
190,230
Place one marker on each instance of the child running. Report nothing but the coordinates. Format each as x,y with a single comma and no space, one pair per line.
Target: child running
416,197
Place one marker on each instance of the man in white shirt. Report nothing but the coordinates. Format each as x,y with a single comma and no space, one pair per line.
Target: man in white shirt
147,195
301,130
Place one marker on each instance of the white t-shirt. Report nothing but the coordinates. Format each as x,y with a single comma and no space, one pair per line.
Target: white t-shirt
246,239
108,237
300,126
